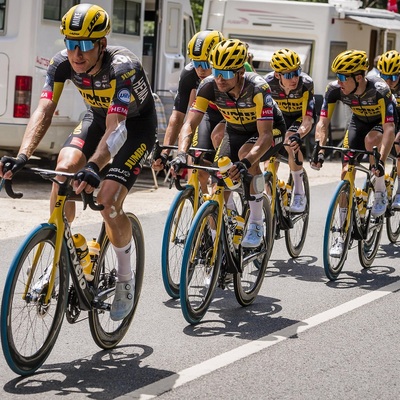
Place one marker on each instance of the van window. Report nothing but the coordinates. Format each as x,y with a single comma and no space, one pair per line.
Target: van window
263,48
2,14
126,17
55,9
335,49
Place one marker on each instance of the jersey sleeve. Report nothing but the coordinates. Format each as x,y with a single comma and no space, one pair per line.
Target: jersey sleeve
332,95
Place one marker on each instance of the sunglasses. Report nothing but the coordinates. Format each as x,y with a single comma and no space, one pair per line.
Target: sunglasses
342,77
202,64
290,75
84,45
392,77
225,74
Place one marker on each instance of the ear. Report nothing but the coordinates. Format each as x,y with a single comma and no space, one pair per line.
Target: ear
103,43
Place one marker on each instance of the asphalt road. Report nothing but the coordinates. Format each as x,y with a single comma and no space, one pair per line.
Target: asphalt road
303,338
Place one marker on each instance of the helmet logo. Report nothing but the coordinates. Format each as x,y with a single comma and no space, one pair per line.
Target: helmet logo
76,20
93,22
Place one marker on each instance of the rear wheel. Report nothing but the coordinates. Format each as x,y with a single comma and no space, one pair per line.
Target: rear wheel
337,229
393,216
296,236
200,273
105,332
254,263
368,247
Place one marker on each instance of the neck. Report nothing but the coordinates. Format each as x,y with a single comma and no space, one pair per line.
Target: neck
237,89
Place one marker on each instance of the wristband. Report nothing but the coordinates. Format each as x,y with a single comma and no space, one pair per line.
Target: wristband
246,162
93,166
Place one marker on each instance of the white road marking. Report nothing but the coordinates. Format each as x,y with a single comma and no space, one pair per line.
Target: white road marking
190,374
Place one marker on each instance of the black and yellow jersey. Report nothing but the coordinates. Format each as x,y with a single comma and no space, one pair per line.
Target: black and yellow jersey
299,102
254,103
121,85
374,105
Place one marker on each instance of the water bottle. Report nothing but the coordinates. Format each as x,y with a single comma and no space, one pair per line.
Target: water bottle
82,250
224,165
359,201
238,235
389,185
94,251
364,208
289,193
284,196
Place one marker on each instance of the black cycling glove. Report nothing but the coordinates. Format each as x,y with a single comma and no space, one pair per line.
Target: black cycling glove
89,174
242,165
14,164
296,138
179,161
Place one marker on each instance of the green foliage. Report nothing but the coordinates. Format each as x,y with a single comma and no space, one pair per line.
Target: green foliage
197,8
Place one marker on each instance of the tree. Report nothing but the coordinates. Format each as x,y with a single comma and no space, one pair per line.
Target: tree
197,8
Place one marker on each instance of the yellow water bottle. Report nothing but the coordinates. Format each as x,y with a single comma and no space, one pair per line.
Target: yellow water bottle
360,201
94,251
82,250
282,187
224,165
238,235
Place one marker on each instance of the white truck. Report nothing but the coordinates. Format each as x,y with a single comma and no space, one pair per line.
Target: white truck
318,32
155,30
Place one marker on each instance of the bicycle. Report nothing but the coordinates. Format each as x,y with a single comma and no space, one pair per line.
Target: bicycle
294,225
37,293
211,257
392,216
180,215
349,216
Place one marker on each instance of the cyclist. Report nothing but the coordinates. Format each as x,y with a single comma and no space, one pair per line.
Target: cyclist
293,91
389,69
119,124
198,50
372,122
254,126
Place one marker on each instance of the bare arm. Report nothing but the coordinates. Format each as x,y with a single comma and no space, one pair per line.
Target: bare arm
387,140
188,129
37,126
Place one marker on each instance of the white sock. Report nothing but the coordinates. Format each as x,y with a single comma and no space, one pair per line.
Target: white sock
298,182
380,184
123,254
256,212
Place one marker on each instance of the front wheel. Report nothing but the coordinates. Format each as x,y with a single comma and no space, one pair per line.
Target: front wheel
247,284
30,325
105,332
177,224
296,236
200,270
337,232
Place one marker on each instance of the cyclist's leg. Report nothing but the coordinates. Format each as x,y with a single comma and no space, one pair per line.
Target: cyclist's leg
121,176
77,149
396,201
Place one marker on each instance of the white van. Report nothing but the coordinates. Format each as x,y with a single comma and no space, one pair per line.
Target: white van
156,30
318,32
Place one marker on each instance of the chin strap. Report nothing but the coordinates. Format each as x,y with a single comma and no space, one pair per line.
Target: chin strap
355,81
98,58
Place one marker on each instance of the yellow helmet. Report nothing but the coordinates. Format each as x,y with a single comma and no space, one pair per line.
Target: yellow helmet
285,60
350,62
389,63
201,43
230,54
85,21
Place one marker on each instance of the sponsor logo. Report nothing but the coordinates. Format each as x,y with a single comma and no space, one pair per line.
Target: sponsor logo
46,94
124,96
128,74
74,258
118,110
139,155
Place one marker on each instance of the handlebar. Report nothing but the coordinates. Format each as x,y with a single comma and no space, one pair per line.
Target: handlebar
351,153
47,174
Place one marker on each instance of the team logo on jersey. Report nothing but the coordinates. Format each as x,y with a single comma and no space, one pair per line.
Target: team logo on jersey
268,101
124,96
390,108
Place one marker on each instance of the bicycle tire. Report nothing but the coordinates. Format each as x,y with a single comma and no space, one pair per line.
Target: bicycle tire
393,216
254,263
177,225
333,229
368,247
268,192
296,236
107,333
29,329
198,277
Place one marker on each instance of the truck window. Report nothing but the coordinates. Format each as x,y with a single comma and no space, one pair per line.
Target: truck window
55,9
126,17
2,15
335,48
